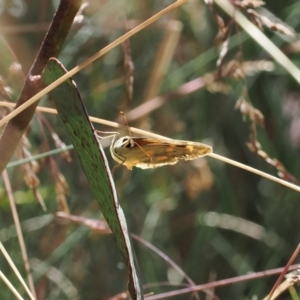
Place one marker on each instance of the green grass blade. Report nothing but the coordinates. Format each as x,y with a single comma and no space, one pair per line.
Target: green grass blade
94,163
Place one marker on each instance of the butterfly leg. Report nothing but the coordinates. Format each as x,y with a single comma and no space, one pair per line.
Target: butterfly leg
123,159
109,134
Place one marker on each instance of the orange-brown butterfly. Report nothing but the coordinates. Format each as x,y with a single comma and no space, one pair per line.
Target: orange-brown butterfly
152,153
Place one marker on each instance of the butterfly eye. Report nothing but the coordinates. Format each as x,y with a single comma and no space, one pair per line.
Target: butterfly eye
127,143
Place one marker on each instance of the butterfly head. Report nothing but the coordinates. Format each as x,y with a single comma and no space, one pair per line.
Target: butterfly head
124,142
119,149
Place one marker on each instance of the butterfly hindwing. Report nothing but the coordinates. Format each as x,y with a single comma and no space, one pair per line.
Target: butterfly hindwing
151,153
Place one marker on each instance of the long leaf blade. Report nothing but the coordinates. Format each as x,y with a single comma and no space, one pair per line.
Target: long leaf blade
94,163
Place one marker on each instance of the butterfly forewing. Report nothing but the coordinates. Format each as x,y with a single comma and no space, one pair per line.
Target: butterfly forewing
151,153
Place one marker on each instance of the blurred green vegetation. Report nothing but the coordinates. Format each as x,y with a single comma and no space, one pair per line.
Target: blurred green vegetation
171,207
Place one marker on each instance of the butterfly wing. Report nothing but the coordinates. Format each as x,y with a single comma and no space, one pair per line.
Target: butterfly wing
151,153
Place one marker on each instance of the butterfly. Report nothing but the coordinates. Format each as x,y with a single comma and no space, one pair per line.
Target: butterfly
148,153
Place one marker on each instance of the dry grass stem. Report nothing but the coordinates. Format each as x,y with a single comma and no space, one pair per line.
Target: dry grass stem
90,60
19,231
153,135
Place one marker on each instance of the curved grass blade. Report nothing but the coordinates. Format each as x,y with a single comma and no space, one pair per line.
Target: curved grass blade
94,163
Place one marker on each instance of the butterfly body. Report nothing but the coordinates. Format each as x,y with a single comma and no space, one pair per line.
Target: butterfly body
152,153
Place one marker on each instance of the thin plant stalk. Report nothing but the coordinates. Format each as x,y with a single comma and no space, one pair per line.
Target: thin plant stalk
10,286
157,136
19,230
90,60
14,268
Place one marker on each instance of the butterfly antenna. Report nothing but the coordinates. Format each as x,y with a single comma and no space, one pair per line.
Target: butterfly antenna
126,122
129,131
143,151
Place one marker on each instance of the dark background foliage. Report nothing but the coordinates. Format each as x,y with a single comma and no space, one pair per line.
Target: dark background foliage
196,212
